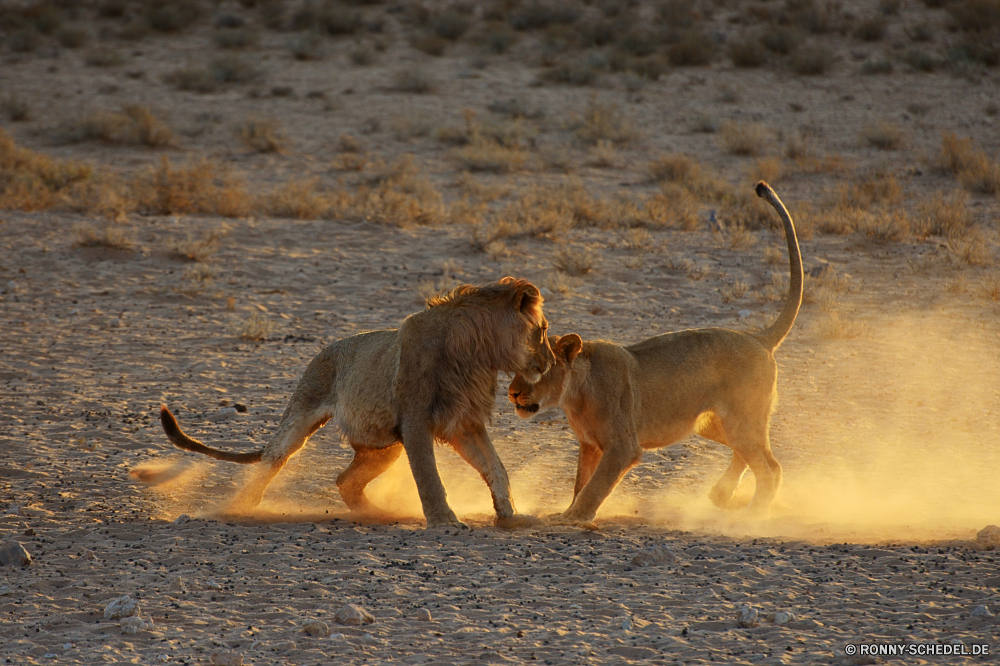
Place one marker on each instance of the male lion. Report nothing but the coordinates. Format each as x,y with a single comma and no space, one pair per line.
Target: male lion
619,401
400,389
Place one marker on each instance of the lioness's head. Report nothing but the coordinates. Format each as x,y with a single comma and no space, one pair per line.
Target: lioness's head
529,396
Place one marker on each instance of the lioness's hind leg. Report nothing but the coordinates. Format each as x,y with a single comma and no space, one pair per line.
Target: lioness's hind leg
753,444
368,464
727,484
586,463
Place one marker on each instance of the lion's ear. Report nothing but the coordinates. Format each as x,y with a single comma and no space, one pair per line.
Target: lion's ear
568,347
529,300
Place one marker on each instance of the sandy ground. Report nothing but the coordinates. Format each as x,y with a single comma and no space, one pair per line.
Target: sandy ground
886,428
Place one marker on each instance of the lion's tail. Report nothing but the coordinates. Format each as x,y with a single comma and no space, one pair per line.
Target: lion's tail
772,336
182,441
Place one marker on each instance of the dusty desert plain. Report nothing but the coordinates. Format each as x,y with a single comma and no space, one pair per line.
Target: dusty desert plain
197,196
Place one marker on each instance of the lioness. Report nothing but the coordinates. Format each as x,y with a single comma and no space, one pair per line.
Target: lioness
400,389
619,401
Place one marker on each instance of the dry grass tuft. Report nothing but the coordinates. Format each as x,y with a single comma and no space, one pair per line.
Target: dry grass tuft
883,135
944,216
971,250
734,291
605,122
834,327
875,189
297,199
414,80
743,138
561,283
263,135
748,53
811,60
974,169
134,125
33,181
103,56
108,234
15,108
256,327
197,249
204,187
574,261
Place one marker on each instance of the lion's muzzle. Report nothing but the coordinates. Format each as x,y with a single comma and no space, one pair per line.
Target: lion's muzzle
522,404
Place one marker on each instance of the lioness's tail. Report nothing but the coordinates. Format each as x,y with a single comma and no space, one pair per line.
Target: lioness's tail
772,336
182,441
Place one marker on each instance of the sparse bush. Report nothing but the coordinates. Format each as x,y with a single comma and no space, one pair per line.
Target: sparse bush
414,80
743,138
538,15
921,61
490,156
449,24
878,66
308,46
811,60
884,226
957,154
782,39
256,327
430,44
574,261
73,37
748,53
704,123
694,48
944,216
970,250
605,122
835,327
497,38
734,291
32,181
875,190
883,135
195,248
233,69
573,72
871,29
297,199
639,42
235,38
203,187
195,79
172,15
263,135
561,283
362,55
103,56
134,125
769,169
15,108
337,19
108,234
975,15
982,175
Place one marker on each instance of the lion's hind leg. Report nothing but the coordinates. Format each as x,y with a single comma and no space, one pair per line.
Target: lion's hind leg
291,436
751,445
710,426
367,465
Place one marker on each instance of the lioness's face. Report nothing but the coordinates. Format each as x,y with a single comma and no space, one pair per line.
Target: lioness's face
540,357
528,396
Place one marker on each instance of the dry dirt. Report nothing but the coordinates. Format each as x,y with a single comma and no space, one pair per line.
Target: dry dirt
886,429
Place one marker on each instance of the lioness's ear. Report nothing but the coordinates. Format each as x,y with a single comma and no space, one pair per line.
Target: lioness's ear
568,347
529,300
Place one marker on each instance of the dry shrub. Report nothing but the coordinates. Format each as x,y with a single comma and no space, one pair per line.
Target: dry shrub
204,187
812,60
876,189
975,15
883,135
263,135
172,15
605,122
782,39
103,56
73,37
743,138
834,327
33,181
884,226
603,155
734,291
482,191
108,234
777,288
414,80
970,250
15,108
489,156
982,176
193,78
673,208
745,209
395,194
748,53
991,286
944,216
195,248
693,48
573,72
768,169
298,199
197,279
256,327
871,29
823,288
308,46
134,125
638,240
235,38
561,283
574,261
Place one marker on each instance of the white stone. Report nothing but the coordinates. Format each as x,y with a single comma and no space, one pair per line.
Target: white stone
121,607
228,658
134,624
423,615
782,617
981,611
14,554
747,616
654,555
316,628
353,615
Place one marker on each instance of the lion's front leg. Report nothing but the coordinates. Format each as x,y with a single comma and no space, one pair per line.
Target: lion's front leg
367,465
476,448
418,441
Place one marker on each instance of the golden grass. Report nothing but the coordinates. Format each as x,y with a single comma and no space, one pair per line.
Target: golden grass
255,327
743,138
605,122
939,215
490,156
33,181
196,248
202,187
734,291
107,234
263,135
883,135
136,124
574,261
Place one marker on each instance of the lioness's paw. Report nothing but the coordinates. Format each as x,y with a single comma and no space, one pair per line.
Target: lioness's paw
575,521
517,521
453,522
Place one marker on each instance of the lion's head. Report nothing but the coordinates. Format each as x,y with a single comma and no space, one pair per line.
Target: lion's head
529,396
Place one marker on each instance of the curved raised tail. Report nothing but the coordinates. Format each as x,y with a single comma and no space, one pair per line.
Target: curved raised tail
182,441
773,335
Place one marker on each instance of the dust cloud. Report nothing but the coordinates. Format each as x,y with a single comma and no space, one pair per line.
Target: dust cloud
892,436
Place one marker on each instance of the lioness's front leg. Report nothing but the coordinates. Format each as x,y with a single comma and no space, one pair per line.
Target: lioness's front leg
418,441
618,458
586,463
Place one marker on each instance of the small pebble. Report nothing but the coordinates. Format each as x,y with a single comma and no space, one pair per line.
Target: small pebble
134,624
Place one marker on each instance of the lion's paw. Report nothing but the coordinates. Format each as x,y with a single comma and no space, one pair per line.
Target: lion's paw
574,521
517,521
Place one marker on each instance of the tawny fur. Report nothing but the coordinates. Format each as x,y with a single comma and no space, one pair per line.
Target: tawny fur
388,391
620,401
